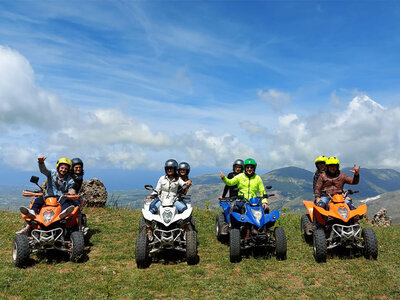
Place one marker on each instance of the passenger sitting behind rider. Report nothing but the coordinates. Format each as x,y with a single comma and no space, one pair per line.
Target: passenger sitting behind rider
183,172
320,164
332,181
167,188
237,168
249,184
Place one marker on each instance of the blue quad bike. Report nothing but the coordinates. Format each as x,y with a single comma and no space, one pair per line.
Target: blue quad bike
250,230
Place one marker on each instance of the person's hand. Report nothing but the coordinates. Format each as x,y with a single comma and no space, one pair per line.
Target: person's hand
188,183
220,197
317,200
41,158
265,206
356,170
221,175
149,197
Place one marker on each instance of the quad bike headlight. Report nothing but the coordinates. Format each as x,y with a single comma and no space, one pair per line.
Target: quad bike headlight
167,216
257,213
343,212
48,216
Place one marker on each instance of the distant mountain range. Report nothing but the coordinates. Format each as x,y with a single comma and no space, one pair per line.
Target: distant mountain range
291,185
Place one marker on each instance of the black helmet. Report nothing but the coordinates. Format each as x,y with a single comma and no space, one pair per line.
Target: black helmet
171,163
185,166
76,161
238,162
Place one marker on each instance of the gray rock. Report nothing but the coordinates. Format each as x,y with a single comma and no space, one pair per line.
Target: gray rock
381,219
94,193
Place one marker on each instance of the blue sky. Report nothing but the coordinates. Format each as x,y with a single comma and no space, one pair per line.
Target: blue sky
129,84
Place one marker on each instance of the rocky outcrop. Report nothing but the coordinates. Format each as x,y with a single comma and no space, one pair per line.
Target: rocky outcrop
94,193
381,219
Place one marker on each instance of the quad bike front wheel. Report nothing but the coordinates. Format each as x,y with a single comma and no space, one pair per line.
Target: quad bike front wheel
20,251
191,247
305,225
142,224
142,251
370,244
280,243
77,246
219,223
234,245
319,245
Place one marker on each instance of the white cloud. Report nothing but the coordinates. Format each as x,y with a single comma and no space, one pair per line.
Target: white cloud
21,102
210,150
365,133
275,98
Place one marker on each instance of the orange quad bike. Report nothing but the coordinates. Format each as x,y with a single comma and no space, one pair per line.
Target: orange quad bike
337,227
49,230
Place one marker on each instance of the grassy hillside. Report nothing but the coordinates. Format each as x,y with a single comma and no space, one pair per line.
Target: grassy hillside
109,270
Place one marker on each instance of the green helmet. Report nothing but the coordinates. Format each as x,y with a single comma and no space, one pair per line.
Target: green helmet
250,161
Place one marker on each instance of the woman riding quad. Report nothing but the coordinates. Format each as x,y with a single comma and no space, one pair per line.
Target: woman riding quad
237,169
332,181
167,187
249,184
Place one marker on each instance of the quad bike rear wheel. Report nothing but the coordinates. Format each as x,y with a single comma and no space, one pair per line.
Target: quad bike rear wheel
191,247
77,246
280,243
20,251
319,245
370,244
305,224
142,251
234,245
219,223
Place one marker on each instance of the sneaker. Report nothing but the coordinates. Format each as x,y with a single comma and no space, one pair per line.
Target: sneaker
85,230
27,212
67,211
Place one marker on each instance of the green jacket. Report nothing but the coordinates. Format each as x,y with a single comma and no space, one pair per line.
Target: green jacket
248,187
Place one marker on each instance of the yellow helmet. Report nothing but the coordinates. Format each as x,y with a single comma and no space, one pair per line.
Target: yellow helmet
333,161
64,160
321,158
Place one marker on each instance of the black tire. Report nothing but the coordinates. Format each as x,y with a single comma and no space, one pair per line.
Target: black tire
77,246
142,251
234,245
370,244
142,224
305,221
20,251
219,222
191,247
319,245
280,243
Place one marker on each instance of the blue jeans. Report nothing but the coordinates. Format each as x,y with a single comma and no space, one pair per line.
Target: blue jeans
39,202
325,201
156,203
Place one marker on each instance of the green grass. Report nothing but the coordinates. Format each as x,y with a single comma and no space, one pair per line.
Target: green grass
110,270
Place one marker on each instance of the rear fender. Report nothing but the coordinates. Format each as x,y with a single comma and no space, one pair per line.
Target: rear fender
310,209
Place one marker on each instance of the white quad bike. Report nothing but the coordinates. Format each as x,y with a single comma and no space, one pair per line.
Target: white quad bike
165,230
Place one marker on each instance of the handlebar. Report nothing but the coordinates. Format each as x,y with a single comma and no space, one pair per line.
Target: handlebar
27,193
